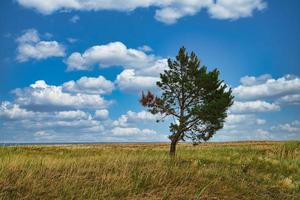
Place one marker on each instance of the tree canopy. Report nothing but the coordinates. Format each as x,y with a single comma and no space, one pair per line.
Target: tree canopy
193,96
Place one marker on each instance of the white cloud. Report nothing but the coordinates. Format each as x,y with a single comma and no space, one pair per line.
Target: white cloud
260,121
44,135
75,19
40,94
41,119
141,70
76,62
237,118
135,117
30,35
111,54
263,133
71,121
268,87
170,15
253,106
243,121
41,133
127,80
78,125
121,121
240,127
129,131
293,127
252,80
31,47
43,112
73,125
234,9
167,11
244,135
141,116
293,99
101,114
13,111
154,69
89,85
72,115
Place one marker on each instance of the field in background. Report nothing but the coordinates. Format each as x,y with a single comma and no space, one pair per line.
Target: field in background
246,170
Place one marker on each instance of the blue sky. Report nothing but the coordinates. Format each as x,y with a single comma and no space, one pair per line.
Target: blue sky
73,71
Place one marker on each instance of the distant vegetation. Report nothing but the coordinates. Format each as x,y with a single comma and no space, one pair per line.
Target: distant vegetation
247,170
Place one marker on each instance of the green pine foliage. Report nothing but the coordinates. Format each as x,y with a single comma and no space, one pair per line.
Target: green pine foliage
194,96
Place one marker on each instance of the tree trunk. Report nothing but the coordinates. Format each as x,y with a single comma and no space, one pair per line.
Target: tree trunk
173,148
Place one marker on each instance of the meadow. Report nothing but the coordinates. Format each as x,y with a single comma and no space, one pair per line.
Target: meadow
237,170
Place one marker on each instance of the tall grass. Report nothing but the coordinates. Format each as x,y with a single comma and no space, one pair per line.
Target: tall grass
257,170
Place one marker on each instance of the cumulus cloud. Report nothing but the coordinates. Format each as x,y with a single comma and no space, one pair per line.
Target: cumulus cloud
129,131
251,134
141,116
260,94
72,115
64,125
167,11
68,125
30,35
234,9
141,70
256,88
170,15
101,114
135,125
41,133
253,106
135,117
252,80
234,121
293,127
13,111
30,46
72,125
111,54
45,135
41,95
239,127
127,80
293,99
154,69
242,122
89,85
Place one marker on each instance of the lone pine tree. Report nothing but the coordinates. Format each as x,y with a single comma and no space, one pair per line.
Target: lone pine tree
194,96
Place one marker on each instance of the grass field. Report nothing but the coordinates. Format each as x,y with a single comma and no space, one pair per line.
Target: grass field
246,170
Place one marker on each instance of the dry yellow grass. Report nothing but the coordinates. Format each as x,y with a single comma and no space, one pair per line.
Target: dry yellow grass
239,170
